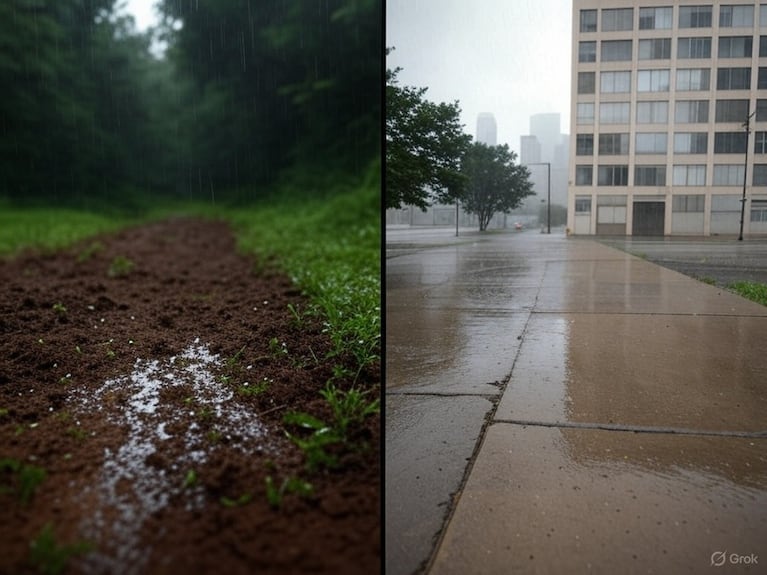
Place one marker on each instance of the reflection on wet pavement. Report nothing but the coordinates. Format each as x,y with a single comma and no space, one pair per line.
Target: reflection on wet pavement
631,431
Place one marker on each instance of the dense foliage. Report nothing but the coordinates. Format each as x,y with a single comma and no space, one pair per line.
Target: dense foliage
424,145
90,115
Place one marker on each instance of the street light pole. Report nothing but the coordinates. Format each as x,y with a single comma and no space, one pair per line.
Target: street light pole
548,191
747,126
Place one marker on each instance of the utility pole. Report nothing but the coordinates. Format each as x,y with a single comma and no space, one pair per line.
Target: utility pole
548,191
747,126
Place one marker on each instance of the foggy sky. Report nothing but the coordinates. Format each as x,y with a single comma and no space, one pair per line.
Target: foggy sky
508,57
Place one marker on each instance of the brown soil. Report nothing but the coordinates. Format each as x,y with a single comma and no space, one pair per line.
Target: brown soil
138,382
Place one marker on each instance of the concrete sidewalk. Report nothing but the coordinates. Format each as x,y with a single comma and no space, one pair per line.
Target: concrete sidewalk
587,410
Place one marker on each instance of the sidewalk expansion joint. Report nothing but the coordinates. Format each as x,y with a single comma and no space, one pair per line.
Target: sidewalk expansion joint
634,428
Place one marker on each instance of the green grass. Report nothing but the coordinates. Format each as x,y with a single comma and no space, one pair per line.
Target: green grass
751,290
50,557
50,229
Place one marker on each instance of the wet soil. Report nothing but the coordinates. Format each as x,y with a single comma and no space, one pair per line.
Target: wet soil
148,373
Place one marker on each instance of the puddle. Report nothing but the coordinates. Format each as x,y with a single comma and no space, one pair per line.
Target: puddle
177,433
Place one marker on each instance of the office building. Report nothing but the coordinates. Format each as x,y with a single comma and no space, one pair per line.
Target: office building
669,115
487,130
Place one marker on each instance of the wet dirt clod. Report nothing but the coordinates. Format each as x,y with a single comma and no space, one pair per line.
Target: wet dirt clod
153,400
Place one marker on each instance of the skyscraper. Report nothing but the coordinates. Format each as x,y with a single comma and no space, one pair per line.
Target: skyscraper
487,131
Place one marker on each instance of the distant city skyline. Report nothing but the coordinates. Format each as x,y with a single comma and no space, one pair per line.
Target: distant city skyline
487,129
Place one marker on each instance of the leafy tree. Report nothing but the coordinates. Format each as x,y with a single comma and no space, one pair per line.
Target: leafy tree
424,145
495,182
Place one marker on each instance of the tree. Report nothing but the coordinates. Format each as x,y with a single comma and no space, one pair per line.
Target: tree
424,145
494,182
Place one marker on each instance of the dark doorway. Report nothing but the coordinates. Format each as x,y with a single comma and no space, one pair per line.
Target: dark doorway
649,218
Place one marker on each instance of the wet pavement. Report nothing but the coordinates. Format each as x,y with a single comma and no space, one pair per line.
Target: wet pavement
556,405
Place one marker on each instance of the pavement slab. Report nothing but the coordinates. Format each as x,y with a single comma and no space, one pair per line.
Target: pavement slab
550,500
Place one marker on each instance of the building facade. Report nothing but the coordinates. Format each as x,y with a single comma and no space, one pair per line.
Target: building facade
669,115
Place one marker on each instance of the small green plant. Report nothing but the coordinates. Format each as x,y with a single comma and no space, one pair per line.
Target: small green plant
190,479
119,267
48,556
24,479
708,280
59,308
214,436
3,412
315,445
275,495
349,407
89,251
235,359
256,389
278,349
239,502
751,290
78,433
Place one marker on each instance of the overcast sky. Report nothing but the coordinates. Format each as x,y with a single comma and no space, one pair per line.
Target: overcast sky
143,11
507,57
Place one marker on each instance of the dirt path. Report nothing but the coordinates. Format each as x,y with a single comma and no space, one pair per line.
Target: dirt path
148,373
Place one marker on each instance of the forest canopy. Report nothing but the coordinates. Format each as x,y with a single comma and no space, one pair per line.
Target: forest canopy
245,90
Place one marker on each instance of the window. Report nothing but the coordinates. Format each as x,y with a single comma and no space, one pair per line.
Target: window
655,18
760,143
616,50
688,203
617,19
763,45
761,110
763,16
584,175
584,145
759,207
689,175
587,51
585,113
651,143
613,144
586,82
735,46
688,48
761,82
693,79
652,112
690,143
649,175
615,82
760,179
736,16
728,174
582,205
588,20
655,49
731,110
653,80
733,78
691,112
695,16
615,113
730,142
613,176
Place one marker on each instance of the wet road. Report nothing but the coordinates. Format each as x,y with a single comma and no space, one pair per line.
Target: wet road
570,407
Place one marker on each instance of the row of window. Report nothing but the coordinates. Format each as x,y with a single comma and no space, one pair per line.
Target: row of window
657,112
682,175
686,203
662,18
687,80
657,143
660,49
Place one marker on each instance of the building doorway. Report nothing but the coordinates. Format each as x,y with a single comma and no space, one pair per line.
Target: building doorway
649,218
